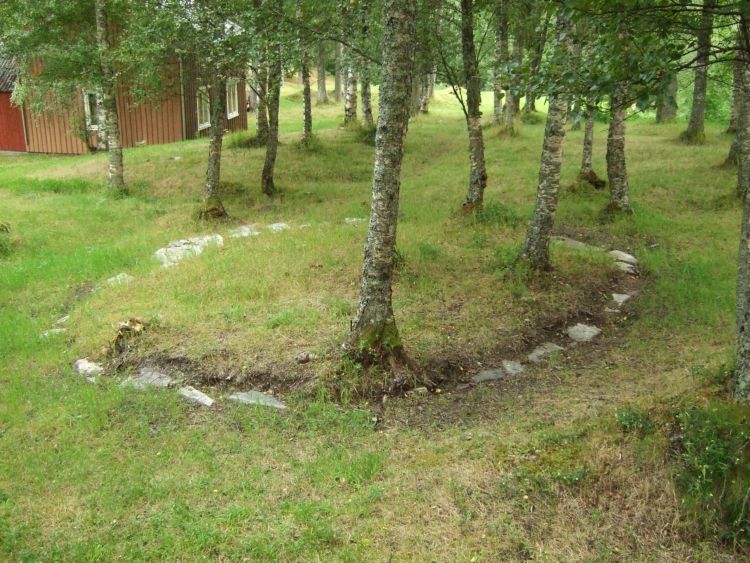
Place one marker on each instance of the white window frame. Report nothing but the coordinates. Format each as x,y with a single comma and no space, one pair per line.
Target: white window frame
90,126
202,99
233,99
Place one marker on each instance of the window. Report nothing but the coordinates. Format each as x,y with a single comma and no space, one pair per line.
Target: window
204,109
233,103
92,110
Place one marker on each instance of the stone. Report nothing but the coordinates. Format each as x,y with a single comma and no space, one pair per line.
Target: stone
419,391
354,220
610,310
62,320
257,398
278,227
176,158
192,394
306,357
148,377
620,256
489,375
583,332
178,250
244,231
88,369
120,279
543,351
576,244
512,367
305,226
53,332
621,298
627,268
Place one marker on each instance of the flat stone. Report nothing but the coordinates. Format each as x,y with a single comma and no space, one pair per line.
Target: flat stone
583,332
88,369
621,256
543,351
244,231
120,279
627,268
53,332
192,394
512,367
621,298
354,220
306,357
610,310
62,320
419,391
178,250
576,244
489,375
257,398
278,227
148,377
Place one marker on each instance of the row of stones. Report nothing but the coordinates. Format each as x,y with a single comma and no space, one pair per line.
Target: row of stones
151,378
580,332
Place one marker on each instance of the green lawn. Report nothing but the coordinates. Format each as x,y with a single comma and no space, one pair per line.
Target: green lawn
540,468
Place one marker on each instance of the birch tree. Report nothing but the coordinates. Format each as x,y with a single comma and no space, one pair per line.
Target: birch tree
374,336
536,245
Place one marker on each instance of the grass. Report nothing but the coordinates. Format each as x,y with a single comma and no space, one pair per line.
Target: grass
562,465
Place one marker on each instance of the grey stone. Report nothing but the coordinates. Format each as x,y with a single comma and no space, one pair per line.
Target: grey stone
419,391
610,310
120,279
192,394
257,398
148,377
87,368
583,332
244,231
627,268
53,332
62,320
278,227
489,375
354,220
576,244
621,298
305,226
512,367
178,250
623,257
543,351
306,357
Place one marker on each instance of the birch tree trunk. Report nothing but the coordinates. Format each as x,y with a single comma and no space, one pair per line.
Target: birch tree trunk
695,132
742,363
305,79
115,169
272,144
666,109
587,173
350,96
261,85
429,92
374,336
339,76
617,173
536,245
366,95
212,208
501,59
322,92
737,92
478,170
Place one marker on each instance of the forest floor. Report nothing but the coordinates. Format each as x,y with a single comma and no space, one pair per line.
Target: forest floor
575,460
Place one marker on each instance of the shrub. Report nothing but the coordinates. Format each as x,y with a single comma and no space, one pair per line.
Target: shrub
713,472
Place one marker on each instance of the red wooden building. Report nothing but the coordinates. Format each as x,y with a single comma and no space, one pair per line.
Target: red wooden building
181,114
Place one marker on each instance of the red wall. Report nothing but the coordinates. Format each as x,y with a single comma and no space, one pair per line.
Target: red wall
11,126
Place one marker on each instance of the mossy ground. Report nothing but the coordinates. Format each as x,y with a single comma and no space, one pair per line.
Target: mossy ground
537,468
